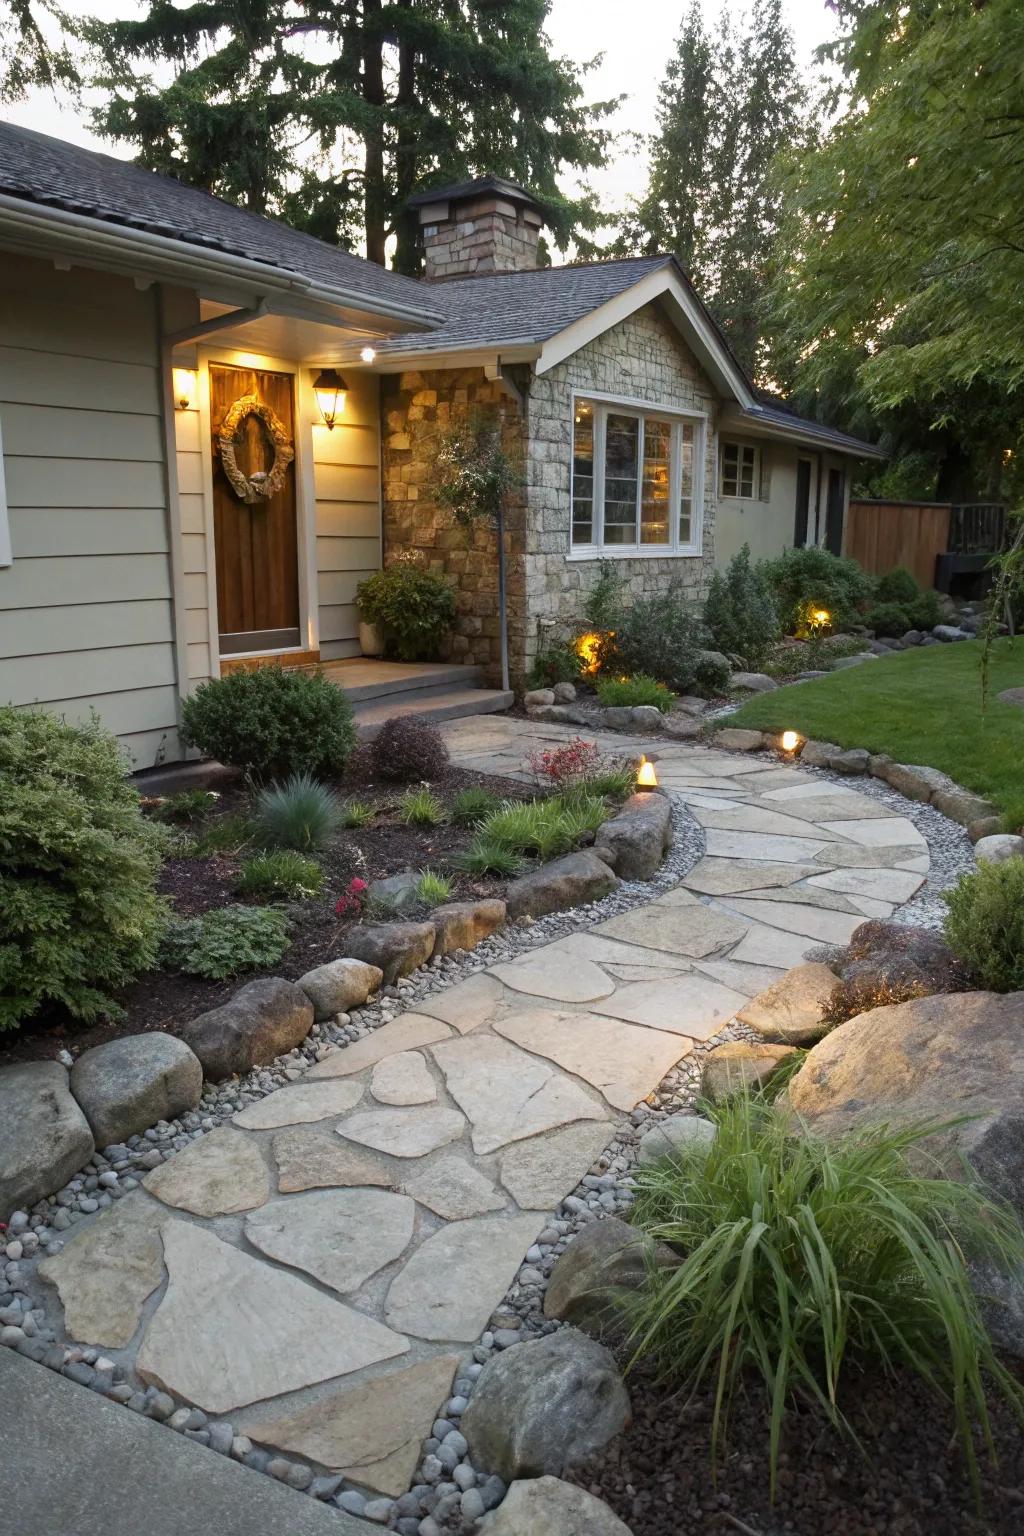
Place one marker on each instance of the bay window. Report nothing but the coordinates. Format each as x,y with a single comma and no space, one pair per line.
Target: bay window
635,473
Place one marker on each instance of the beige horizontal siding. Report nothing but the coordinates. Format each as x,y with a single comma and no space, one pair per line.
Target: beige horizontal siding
48,631
61,579
348,517
39,431
34,378
45,531
73,674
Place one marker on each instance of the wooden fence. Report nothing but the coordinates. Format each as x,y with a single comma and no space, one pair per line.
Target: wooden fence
883,534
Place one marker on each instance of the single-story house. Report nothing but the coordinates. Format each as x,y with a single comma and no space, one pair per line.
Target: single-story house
175,501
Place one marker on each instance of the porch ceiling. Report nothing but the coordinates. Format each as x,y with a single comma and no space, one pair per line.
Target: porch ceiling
327,336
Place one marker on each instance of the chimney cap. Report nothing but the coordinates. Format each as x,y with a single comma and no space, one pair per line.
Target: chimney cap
461,191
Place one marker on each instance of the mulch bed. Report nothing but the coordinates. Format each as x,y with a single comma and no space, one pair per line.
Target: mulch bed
163,1000
907,1479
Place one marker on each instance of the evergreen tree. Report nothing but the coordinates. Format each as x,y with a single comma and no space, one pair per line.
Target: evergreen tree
32,48
728,105
333,112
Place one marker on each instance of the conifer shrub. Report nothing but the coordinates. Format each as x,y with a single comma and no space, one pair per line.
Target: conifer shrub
740,611
985,924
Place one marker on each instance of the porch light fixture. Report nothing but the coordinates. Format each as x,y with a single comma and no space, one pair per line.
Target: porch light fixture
646,778
368,354
330,390
183,383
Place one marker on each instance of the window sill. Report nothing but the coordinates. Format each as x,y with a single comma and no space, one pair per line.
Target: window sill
613,553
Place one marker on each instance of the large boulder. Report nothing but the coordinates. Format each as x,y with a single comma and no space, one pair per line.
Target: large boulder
999,847
567,882
465,924
544,1405
888,962
394,948
44,1137
638,837
738,1065
605,1259
753,682
962,806
936,1057
340,985
545,1506
790,1010
127,1085
264,1019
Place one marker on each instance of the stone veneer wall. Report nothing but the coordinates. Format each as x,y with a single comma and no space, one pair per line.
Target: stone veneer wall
416,408
642,358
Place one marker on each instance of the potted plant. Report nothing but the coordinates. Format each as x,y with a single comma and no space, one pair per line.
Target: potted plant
411,608
371,637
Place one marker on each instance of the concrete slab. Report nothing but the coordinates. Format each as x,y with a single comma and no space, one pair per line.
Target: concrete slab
57,1434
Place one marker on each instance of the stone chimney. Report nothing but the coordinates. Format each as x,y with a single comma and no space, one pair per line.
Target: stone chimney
487,225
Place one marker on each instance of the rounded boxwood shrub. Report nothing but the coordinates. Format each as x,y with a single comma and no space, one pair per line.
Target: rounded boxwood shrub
272,723
407,749
79,911
413,608
799,577
660,637
889,619
985,924
897,586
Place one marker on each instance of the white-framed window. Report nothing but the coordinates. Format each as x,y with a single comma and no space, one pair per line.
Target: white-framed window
741,471
6,555
636,478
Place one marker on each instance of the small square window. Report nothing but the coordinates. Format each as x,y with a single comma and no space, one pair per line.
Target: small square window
741,470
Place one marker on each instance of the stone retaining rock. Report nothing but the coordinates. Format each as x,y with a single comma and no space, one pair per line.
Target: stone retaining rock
851,760
682,727
914,780
564,693
994,850
618,717
537,697
753,682
638,837
605,1257
985,826
789,1011
340,985
677,1133
44,1136
264,1019
733,739
961,805
394,948
545,1506
465,924
125,1086
738,1064
646,717
398,893
540,1407
567,882
817,754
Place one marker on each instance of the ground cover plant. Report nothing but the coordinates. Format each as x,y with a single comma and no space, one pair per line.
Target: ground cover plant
919,706
271,723
802,1260
226,942
985,924
626,692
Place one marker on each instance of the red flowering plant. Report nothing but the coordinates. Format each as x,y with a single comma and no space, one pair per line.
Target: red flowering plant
351,901
566,765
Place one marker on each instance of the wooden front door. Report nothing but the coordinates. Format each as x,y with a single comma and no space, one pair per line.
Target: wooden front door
256,543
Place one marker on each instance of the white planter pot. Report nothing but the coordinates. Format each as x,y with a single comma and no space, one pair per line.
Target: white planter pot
371,640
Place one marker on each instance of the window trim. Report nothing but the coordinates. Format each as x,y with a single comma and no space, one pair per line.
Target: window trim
6,552
757,450
597,549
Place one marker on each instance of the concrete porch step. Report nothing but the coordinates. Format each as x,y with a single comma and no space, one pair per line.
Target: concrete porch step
454,704
364,678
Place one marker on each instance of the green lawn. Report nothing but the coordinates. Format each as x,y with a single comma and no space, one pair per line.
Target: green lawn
920,706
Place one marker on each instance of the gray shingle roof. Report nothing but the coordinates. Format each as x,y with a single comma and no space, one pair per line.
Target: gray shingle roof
774,412
49,171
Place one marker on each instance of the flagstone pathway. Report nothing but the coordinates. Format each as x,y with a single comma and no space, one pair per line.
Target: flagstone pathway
317,1269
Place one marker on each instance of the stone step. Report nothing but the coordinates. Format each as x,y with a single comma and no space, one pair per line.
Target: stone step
364,678
453,704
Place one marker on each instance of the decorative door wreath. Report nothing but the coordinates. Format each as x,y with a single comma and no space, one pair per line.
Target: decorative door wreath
264,484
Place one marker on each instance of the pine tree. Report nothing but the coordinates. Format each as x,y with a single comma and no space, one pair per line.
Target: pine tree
33,50
332,113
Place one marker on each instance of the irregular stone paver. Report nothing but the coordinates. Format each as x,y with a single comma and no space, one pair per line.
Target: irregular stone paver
404,1034
894,831
756,818
540,1172
372,1433
230,1330
834,808
689,1005
794,917
893,885
403,1132
854,856
403,1079
221,1173
507,1094
610,954
693,931
465,1006
721,877
454,1189
107,1270
313,1158
545,974
771,946
339,1236
751,845
303,1102
748,979
448,1289
621,1060
805,895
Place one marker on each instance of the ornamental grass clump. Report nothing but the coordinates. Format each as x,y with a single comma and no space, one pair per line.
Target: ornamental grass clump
624,692
798,1255
432,888
282,874
79,912
985,924
472,805
298,814
421,808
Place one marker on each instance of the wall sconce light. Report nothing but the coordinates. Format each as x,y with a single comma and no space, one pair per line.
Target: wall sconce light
183,382
330,390
368,354
646,778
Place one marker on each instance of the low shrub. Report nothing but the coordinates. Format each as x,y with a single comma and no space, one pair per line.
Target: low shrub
282,873
638,689
798,1254
299,813
226,942
407,749
888,619
413,608
433,889
472,805
611,781
660,637
421,808
985,924
565,764
710,676
801,577
739,612
271,723
185,806
554,663
603,601
897,586
926,610
79,911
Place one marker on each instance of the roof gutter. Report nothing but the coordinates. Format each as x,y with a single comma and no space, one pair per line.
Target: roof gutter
751,421
46,229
